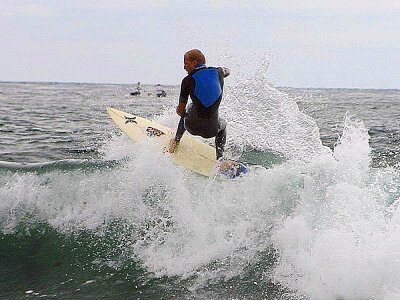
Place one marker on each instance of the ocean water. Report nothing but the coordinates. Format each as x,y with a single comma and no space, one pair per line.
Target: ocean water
85,213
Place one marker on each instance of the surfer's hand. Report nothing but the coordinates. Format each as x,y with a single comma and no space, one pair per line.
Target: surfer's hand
172,145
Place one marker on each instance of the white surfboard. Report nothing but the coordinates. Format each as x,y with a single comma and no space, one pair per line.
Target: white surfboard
191,153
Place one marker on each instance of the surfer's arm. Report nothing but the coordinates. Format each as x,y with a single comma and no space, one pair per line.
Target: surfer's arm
224,71
186,87
180,109
173,143
181,129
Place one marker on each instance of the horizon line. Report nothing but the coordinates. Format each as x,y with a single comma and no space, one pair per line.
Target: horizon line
135,84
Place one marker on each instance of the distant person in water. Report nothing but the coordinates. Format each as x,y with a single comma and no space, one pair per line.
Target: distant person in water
138,90
205,86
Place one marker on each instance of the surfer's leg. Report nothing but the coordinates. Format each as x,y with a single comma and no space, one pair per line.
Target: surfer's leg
220,139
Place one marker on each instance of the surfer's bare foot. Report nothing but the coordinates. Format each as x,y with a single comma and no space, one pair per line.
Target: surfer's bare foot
172,145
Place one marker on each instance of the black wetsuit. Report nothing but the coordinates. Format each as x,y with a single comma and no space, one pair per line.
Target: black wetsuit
204,86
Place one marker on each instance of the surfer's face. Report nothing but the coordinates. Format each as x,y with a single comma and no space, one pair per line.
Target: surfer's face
189,65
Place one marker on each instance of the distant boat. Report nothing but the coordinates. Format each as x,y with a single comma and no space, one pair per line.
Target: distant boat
135,93
161,93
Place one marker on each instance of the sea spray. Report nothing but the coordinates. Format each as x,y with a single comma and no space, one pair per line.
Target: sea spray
339,242
261,117
102,216
177,223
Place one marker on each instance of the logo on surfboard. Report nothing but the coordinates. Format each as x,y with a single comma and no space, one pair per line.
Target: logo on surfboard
130,120
152,132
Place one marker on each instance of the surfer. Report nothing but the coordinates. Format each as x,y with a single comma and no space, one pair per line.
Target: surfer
204,85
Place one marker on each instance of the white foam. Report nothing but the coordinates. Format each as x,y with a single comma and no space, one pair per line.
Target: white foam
261,117
340,241
334,220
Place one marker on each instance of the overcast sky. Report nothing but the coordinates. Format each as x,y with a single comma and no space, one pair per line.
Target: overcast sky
309,43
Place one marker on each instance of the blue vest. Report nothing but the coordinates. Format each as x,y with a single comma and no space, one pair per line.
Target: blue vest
208,87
